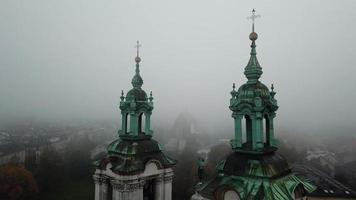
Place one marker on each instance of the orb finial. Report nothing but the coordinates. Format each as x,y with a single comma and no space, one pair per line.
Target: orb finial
137,46
253,35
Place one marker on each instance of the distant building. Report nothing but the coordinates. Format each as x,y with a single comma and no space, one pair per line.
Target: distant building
323,158
184,129
327,187
254,170
136,168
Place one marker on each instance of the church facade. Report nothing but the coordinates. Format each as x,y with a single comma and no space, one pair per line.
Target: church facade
136,168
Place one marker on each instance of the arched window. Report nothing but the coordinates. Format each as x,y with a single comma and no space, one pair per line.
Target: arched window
248,130
266,130
231,195
298,192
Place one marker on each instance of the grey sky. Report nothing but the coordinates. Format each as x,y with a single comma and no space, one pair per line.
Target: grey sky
71,59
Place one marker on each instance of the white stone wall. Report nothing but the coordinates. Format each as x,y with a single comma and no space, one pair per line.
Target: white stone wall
130,187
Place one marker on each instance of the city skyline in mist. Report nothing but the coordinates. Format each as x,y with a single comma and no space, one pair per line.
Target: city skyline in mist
71,59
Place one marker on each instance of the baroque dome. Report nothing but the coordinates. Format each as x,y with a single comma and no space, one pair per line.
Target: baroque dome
136,94
249,91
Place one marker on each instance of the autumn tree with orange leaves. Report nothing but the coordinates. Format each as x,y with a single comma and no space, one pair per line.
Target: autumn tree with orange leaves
17,183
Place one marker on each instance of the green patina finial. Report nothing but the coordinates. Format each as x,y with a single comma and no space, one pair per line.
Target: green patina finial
273,93
233,92
122,96
137,81
151,97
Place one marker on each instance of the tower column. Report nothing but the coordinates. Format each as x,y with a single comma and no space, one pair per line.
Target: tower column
238,130
147,123
134,123
168,186
258,132
123,124
159,188
271,138
257,141
101,187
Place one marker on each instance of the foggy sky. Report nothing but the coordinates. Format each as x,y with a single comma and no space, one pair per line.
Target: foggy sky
71,59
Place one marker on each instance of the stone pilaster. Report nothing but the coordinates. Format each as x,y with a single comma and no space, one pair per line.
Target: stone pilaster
168,186
238,130
101,187
159,188
147,123
272,139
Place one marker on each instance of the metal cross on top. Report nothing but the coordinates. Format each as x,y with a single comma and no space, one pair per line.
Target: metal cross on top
137,46
253,17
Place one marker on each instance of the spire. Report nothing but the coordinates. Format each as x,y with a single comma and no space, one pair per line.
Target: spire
151,97
137,81
233,92
122,96
273,93
253,70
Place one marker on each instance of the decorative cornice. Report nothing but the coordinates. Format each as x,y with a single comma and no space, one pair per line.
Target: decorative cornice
98,179
159,179
168,177
122,186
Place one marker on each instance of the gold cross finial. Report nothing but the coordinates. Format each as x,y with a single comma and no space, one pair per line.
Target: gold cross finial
137,46
253,17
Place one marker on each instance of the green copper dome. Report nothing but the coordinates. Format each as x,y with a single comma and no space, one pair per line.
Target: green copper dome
268,165
129,157
249,93
136,94
130,147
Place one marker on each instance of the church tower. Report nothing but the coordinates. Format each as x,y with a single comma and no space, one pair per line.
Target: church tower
136,168
254,170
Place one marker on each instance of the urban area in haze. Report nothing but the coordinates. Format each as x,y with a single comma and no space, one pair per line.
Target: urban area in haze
162,100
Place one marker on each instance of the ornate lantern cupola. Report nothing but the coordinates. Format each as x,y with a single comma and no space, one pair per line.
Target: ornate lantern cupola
135,106
254,104
135,167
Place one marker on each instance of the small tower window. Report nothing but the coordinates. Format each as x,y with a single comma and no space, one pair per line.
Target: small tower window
248,130
298,192
231,195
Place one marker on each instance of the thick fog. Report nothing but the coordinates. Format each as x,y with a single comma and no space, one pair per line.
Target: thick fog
71,59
